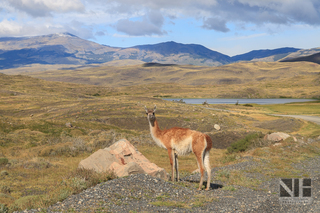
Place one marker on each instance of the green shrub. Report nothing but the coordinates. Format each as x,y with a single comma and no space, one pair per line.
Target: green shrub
3,208
228,188
78,184
3,161
7,128
243,144
64,193
248,105
4,173
50,128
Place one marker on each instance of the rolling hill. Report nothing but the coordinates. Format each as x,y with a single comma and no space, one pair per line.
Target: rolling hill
253,80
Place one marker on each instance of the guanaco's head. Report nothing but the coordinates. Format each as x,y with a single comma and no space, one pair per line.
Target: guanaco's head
151,114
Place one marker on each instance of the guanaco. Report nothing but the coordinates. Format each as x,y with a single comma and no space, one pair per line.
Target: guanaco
182,141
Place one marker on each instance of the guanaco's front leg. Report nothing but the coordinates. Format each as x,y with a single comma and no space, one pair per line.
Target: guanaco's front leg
176,165
172,162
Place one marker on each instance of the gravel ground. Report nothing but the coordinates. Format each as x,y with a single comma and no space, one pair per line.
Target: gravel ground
143,193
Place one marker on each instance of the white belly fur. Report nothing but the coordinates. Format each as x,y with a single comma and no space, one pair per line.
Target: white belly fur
183,147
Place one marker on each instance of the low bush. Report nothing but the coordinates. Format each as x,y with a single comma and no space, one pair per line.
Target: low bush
84,178
26,202
63,194
4,173
3,208
243,144
3,161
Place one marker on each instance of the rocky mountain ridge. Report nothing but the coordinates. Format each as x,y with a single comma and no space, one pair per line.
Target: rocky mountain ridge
65,48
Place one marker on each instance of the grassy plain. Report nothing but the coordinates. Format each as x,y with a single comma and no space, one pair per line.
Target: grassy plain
244,80
39,154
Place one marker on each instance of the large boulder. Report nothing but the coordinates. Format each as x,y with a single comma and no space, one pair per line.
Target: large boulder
277,136
124,159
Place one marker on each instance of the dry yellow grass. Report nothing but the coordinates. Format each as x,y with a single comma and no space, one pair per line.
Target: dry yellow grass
187,163
247,80
41,150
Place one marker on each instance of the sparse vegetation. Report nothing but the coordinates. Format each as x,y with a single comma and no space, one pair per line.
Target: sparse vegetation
228,188
39,155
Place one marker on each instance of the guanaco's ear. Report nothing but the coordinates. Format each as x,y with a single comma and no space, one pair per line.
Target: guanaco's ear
154,109
146,109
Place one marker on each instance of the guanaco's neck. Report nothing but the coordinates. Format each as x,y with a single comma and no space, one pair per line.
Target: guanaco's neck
154,126
156,133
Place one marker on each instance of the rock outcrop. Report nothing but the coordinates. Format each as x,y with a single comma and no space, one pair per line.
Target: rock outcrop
124,159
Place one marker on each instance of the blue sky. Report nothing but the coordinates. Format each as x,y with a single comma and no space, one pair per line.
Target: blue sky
228,26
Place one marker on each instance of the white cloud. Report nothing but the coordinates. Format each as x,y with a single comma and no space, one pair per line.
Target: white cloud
41,8
9,28
151,24
149,17
215,24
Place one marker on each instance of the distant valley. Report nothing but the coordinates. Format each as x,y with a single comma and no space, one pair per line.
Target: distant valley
69,50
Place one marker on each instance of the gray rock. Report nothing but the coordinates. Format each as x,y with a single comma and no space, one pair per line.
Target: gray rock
124,159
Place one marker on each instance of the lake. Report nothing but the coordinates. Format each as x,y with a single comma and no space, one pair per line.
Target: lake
240,101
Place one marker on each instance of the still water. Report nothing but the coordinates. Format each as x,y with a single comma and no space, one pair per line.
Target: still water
240,101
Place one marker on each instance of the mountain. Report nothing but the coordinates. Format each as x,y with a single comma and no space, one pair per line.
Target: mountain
67,49
60,48
302,53
195,51
258,54
315,58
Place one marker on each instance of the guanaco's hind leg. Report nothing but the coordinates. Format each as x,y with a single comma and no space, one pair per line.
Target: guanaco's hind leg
201,168
203,162
207,166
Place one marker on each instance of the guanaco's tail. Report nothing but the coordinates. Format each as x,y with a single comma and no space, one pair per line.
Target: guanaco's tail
206,161
205,153
209,143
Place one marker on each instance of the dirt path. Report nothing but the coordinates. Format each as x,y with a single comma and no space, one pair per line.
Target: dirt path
314,119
